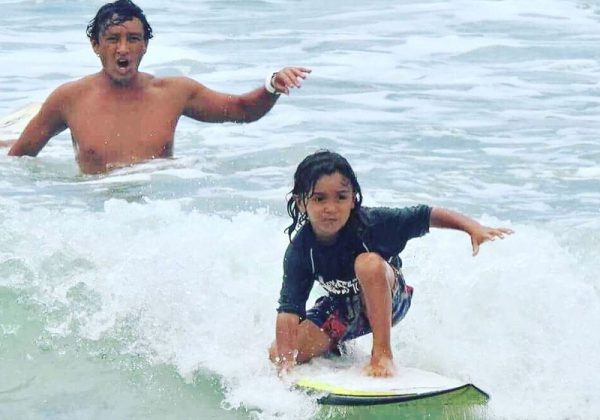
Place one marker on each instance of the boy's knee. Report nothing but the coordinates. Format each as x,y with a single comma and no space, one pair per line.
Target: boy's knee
369,264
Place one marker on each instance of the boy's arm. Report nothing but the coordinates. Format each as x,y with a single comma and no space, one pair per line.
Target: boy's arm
286,339
444,218
7,143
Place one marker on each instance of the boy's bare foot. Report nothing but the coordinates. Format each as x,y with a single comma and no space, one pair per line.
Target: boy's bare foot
380,367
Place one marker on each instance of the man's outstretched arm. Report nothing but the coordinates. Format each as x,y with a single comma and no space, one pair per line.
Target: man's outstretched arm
210,106
47,123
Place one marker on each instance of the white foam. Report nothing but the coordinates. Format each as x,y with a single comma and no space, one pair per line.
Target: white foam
191,287
484,109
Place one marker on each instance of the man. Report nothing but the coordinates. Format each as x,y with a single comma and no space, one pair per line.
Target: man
120,116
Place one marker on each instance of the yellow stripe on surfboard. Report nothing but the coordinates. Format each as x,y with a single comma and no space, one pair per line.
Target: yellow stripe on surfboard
338,390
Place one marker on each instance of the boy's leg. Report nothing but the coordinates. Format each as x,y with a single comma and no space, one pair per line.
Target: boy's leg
312,342
377,279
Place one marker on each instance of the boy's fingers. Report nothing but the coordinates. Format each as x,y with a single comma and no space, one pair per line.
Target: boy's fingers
475,247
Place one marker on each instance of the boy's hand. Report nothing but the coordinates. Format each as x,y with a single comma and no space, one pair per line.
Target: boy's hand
7,143
284,367
482,234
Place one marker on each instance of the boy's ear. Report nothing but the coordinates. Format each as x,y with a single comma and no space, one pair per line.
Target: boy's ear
300,203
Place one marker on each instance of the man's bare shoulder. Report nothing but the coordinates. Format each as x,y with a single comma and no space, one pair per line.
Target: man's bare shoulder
181,87
175,82
75,88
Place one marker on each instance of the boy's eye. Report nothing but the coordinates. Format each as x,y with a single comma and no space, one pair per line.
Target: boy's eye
135,38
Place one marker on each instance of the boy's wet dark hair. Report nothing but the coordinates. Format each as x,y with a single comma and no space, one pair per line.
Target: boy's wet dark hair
114,14
308,173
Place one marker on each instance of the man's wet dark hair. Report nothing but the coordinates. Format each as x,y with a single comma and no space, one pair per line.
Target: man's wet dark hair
308,173
114,14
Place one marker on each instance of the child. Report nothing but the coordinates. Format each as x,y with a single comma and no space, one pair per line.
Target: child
353,253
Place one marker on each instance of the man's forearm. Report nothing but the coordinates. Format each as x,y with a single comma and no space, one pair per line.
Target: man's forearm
252,106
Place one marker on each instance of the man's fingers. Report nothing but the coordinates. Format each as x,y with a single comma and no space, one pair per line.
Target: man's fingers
301,72
290,77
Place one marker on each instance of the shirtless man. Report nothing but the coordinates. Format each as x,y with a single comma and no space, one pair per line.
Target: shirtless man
120,116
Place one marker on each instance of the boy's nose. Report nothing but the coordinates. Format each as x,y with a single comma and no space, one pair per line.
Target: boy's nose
329,208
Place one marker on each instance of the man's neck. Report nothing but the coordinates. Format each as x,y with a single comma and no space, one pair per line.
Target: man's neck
134,83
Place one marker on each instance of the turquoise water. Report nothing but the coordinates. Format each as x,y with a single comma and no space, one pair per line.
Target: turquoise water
150,292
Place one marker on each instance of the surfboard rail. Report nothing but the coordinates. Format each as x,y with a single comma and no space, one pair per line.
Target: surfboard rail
349,386
350,397
11,125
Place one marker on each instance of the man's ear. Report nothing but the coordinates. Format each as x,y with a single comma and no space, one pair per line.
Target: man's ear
95,47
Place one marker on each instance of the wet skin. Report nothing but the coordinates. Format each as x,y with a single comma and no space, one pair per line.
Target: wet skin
120,116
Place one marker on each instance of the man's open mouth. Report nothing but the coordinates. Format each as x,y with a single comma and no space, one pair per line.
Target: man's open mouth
122,63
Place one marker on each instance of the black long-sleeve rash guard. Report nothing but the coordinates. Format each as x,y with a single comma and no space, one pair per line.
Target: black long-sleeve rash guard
307,260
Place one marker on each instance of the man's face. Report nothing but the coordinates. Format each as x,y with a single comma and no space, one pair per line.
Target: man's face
121,48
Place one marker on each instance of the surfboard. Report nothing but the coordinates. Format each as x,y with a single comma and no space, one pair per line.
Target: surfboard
350,386
13,124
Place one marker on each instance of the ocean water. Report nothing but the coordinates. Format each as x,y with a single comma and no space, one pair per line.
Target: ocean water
150,292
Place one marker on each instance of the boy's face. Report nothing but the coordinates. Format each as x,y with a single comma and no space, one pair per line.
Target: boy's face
329,206
121,48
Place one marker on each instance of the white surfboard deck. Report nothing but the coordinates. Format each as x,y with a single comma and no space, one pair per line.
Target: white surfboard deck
345,385
13,124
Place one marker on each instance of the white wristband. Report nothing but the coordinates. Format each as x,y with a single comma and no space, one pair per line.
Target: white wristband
269,84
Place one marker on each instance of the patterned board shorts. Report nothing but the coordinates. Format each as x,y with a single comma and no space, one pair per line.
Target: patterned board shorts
344,318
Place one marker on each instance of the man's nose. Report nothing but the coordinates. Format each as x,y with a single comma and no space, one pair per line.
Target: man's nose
123,46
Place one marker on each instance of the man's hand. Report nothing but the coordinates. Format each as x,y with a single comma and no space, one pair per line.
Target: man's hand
288,78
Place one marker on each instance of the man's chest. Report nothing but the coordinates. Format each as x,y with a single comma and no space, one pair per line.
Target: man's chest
122,131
